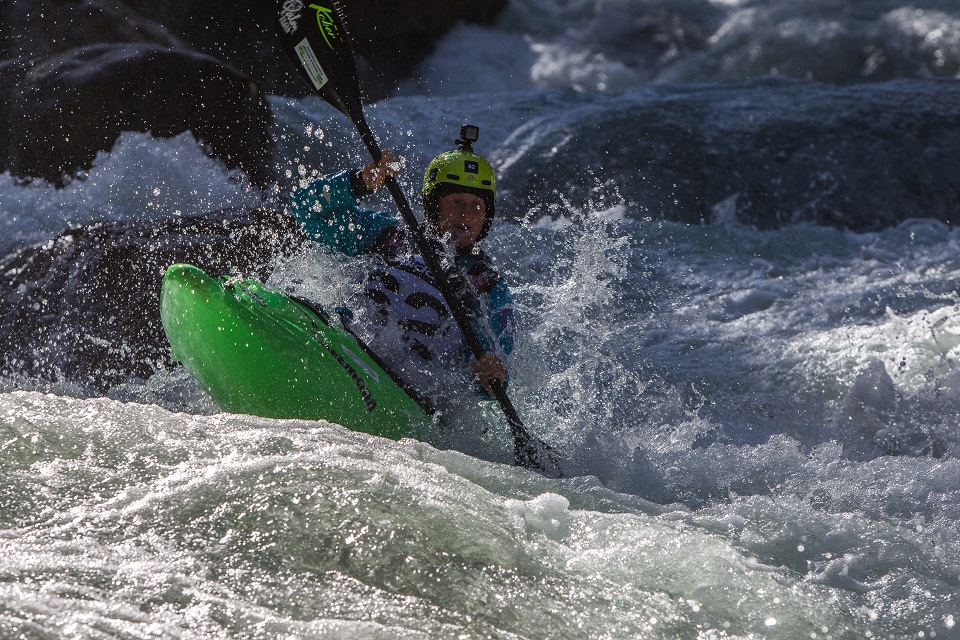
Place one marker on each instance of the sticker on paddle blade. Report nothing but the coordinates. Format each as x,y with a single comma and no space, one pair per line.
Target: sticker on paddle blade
308,59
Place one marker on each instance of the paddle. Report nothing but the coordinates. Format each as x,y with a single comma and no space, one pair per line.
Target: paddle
316,39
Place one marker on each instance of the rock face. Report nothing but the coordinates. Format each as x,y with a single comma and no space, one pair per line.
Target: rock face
768,153
75,104
76,73
390,37
84,307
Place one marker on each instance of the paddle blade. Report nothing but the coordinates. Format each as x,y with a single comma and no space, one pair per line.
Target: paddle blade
531,452
316,39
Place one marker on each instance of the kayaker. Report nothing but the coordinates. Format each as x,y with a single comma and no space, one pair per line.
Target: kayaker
400,313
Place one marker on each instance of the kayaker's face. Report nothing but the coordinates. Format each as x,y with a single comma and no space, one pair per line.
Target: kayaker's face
462,216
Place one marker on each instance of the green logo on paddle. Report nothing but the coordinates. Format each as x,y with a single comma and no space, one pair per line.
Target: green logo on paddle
328,26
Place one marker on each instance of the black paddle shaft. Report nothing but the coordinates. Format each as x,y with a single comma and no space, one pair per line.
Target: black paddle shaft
318,43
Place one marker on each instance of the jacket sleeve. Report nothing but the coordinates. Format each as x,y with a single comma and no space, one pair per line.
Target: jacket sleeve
493,321
500,317
329,212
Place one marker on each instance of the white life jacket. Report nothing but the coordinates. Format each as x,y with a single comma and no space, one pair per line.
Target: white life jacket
402,316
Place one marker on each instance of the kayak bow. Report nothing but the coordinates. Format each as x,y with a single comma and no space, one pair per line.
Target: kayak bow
258,351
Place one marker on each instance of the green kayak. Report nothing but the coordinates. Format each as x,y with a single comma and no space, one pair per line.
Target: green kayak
259,351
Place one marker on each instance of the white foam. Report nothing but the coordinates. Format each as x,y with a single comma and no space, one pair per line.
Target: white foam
142,178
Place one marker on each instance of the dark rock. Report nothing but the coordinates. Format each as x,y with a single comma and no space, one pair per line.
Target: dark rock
75,104
36,29
390,38
10,73
767,153
76,73
84,307
147,80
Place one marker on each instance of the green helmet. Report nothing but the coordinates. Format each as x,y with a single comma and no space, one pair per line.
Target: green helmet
460,171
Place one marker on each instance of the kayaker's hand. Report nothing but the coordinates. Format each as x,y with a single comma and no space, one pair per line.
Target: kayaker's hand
375,173
488,367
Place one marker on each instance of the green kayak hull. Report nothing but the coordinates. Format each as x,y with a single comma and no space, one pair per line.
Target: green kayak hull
258,351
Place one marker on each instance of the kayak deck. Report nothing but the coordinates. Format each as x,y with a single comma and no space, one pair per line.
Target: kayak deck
258,351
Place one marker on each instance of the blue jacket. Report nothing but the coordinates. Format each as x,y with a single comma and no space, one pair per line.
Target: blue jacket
329,211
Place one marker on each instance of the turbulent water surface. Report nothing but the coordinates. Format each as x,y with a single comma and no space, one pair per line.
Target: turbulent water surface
759,426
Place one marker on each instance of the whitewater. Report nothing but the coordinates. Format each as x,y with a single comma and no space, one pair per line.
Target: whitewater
759,425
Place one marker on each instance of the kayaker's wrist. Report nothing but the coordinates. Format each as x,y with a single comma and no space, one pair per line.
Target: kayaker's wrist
357,184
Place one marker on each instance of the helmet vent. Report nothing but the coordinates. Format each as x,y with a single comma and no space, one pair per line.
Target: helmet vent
452,176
